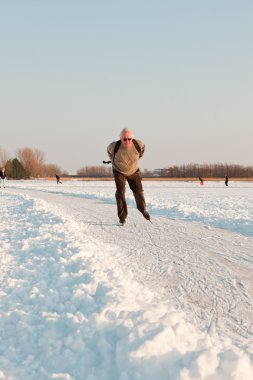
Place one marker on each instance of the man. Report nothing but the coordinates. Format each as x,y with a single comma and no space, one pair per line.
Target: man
57,179
2,176
125,155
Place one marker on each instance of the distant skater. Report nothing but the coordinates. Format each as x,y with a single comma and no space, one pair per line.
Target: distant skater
57,179
2,177
226,180
124,155
201,181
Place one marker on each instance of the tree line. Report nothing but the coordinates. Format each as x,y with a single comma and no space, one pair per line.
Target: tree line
181,171
29,163
206,170
95,171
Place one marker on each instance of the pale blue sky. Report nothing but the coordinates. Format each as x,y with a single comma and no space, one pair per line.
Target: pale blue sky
178,73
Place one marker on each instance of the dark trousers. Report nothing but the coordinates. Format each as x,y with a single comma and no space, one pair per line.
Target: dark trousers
134,182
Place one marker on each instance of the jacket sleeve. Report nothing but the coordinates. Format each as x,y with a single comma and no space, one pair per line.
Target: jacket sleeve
142,150
141,146
110,150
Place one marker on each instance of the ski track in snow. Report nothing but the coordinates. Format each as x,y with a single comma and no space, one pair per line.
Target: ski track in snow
168,253
199,270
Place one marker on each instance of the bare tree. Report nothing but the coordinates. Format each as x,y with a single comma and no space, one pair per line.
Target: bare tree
95,171
49,170
32,160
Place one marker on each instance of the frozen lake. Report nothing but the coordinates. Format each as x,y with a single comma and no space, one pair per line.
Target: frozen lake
84,298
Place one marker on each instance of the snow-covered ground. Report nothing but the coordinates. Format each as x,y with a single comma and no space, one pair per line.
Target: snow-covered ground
82,297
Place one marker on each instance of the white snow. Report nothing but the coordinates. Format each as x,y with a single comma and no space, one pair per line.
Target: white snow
82,297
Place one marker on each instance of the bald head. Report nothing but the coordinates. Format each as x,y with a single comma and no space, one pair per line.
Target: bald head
126,131
126,137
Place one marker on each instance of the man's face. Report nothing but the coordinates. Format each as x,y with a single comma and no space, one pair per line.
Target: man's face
126,139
